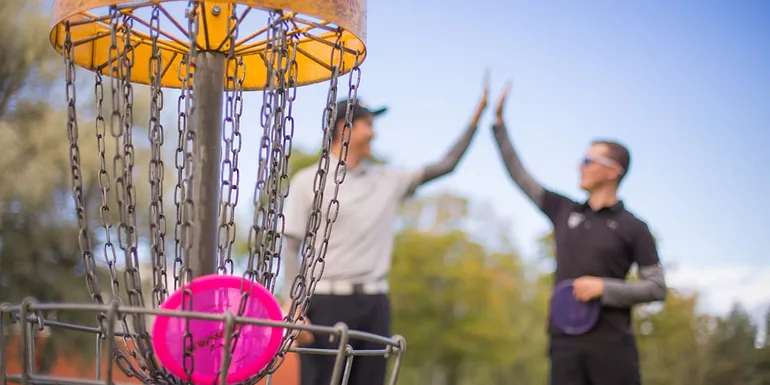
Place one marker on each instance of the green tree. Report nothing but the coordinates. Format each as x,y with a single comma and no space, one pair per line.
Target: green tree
453,299
672,341
762,370
733,350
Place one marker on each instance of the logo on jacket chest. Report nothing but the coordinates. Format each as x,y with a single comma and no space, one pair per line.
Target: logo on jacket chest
575,219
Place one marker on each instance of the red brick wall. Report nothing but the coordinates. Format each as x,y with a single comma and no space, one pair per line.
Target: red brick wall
72,366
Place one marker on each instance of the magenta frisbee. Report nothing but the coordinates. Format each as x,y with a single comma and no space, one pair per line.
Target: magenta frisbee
255,348
570,315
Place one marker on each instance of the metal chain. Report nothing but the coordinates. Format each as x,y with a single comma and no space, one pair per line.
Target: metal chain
284,134
313,263
230,174
123,165
127,233
187,197
261,191
84,239
105,215
301,289
261,196
287,124
156,169
180,163
274,200
155,175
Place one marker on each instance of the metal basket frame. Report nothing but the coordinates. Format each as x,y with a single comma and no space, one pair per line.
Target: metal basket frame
31,311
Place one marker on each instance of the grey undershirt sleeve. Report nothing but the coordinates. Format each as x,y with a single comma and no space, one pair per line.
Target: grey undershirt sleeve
516,170
290,254
650,287
451,159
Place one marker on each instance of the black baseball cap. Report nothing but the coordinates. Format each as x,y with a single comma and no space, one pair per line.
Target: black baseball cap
359,111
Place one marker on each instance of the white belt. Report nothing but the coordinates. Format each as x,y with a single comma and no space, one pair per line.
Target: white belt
350,288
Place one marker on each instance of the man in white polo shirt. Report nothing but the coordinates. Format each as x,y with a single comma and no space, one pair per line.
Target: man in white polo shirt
354,286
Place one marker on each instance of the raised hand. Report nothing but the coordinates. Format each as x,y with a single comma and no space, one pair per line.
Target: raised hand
501,103
484,100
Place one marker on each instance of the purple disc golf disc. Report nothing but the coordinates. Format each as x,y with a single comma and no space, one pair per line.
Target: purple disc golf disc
570,315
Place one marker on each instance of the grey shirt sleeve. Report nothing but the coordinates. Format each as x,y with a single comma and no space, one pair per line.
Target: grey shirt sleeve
291,258
650,287
520,176
451,159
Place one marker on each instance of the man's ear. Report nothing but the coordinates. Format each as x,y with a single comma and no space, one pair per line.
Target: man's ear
618,172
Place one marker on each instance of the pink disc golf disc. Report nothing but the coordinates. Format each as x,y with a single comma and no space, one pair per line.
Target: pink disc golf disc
255,347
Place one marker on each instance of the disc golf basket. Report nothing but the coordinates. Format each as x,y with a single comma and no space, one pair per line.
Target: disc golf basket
211,52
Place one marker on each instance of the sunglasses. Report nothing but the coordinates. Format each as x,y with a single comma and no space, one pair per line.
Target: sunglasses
603,161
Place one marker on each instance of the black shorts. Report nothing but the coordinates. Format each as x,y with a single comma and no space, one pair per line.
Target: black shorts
582,363
362,312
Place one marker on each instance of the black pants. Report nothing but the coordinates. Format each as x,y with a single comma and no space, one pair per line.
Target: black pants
362,312
583,363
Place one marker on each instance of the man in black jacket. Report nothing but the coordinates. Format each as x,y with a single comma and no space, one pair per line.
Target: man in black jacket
597,241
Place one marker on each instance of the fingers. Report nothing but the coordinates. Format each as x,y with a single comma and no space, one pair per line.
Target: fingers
579,289
486,81
305,337
587,288
503,96
580,295
506,89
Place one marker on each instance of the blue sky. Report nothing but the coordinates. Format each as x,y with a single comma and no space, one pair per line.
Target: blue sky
685,84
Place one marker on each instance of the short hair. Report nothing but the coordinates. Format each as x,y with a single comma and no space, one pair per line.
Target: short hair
618,153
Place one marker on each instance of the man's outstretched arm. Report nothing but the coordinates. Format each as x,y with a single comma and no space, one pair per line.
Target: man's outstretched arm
452,158
553,205
450,161
513,165
511,160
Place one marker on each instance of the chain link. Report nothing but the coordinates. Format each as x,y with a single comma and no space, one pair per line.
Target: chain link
186,218
123,164
261,197
84,239
290,71
156,169
133,279
230,174
274,201
313,260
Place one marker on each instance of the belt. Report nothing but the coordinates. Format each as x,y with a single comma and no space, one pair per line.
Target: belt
351,288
